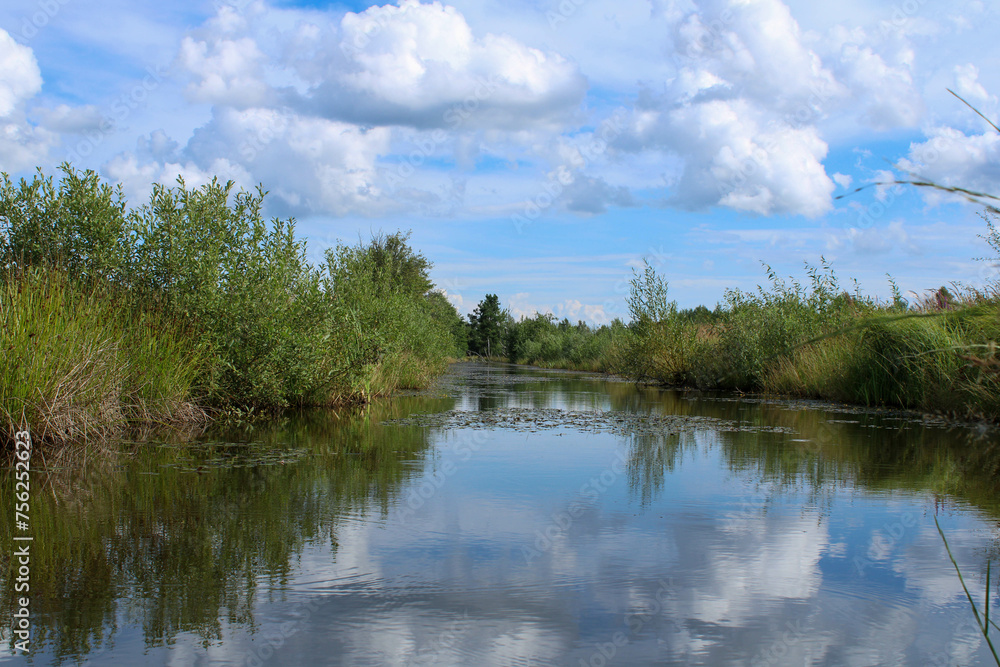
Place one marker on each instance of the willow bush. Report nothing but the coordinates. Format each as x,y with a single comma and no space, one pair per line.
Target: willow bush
195,298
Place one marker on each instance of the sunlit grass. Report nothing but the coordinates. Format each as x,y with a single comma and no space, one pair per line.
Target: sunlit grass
82,361
115,315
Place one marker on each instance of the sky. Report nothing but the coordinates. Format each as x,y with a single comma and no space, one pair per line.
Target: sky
542,150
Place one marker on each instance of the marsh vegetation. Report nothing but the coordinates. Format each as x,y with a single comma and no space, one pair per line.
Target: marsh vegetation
193,303
813,338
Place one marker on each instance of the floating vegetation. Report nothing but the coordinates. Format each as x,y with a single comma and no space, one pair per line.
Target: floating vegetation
234,455
618,423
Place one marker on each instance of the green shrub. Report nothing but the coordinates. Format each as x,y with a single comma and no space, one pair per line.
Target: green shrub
197,279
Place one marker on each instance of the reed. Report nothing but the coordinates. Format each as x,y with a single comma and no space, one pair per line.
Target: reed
82,361
982,619
114,315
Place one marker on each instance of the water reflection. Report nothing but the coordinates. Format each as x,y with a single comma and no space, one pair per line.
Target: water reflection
641,527
183,539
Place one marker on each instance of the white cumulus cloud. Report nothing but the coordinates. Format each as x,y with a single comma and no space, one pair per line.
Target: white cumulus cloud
422,65
22,145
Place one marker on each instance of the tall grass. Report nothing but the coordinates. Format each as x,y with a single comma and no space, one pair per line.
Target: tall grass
809,338
115,314
818,340
81,360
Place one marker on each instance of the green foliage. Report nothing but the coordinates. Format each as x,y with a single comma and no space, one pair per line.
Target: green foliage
444,313
244,283
85,360
821,341
261,327
81,226
487,327
384,317
542,341
647,299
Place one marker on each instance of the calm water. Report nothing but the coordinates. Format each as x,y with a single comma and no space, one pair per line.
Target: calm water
522,517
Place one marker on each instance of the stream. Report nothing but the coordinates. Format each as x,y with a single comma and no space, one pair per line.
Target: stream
517,516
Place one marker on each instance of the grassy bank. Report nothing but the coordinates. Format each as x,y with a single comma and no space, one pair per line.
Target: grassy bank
810,339
818,341
194,304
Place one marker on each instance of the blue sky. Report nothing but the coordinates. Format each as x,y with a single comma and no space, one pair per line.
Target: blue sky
540,150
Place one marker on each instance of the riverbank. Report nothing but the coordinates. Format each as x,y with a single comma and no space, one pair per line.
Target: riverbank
819,341
936,354
193,306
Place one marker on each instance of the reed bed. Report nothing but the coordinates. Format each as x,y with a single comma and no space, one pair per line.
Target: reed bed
194,305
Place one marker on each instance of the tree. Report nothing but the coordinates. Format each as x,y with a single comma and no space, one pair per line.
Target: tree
647,300
444,311
404,267
387,262
486,327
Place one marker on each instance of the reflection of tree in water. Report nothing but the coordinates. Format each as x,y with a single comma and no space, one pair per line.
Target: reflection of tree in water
650,457
825,447
178,539
498,386
877,451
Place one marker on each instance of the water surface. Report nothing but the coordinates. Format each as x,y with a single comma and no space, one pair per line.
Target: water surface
514,516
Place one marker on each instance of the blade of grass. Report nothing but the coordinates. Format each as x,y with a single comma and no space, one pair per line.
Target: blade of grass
975,611
978,113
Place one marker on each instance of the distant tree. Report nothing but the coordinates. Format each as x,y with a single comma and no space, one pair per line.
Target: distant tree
386,261
486,327
698,315
404,266
444,311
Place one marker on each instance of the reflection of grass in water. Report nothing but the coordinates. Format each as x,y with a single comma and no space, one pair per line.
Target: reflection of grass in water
172,540
983,621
